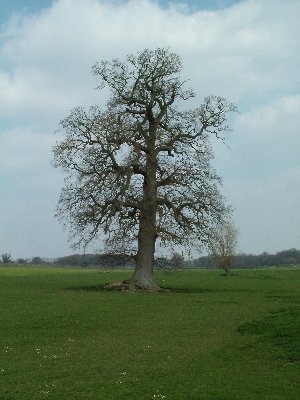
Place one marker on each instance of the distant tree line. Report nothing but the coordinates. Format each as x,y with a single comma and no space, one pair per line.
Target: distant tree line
243,260
95,260
174,261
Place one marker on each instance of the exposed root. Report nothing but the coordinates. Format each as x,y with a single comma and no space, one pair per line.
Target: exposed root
130,285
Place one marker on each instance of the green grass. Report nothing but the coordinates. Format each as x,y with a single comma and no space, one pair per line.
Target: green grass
209,338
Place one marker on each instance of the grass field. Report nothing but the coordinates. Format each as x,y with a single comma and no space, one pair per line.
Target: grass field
210,338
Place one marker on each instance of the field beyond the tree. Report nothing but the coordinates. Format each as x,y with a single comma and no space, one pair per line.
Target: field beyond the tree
211,337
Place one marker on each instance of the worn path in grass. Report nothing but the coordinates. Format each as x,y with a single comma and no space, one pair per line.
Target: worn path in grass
209,338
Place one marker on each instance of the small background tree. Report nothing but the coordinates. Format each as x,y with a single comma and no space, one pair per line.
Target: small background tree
222,245
176,261
6,258
22,261
38,261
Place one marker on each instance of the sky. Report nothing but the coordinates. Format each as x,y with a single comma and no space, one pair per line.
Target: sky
247,51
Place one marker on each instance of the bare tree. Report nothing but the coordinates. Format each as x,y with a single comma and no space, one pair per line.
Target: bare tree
222,245
177,260
6,258
139,171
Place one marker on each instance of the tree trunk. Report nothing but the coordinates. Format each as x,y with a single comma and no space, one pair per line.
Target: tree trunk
143,274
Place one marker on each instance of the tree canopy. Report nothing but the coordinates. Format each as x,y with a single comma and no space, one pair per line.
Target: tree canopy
139,171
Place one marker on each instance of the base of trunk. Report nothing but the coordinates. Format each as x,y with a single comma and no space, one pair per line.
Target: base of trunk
132,284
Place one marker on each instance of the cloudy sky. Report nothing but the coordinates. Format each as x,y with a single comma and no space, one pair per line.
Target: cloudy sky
247,51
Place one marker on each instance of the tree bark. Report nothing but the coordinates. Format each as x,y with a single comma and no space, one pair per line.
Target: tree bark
143,274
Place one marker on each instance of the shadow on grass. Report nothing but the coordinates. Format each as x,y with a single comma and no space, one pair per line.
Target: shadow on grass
104,288
281,329
285,298
265,276
206,290
91,288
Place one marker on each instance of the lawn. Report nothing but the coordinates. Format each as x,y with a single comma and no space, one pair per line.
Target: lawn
209,338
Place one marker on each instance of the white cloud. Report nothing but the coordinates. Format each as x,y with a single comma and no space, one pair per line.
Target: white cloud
241,52
247,53
262,174
267,213
268,136
22,148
